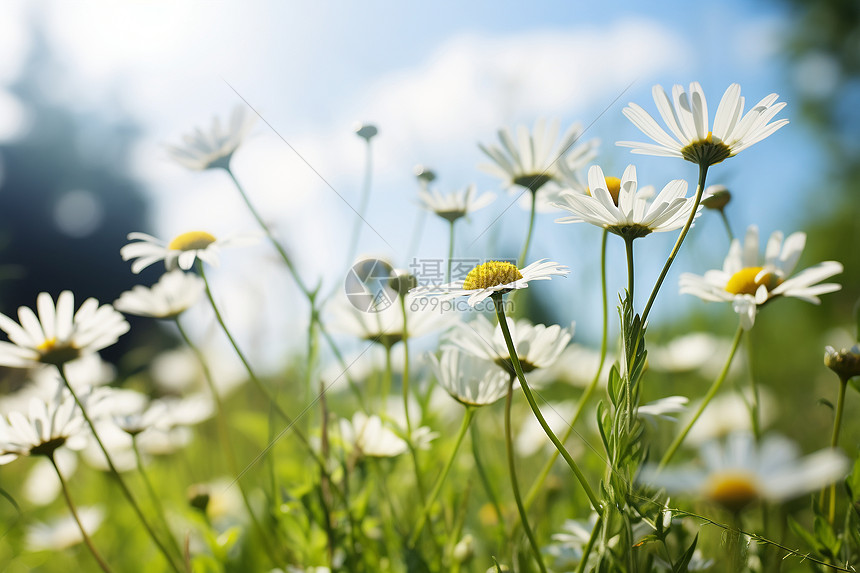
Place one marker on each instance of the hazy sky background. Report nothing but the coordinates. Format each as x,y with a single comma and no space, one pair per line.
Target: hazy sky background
436,79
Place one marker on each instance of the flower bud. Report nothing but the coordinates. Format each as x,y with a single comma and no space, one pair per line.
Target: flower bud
402,281
198,497
846,363
716,197
464,550
366,131
424,174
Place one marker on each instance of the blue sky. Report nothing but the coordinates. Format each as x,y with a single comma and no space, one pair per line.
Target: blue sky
436,79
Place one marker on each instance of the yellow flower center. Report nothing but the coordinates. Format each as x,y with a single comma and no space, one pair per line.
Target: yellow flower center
734,490
744,281
490,274
613,185
191,241
52,353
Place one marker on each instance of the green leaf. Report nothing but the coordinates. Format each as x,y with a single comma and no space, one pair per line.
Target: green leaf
826,536
852,482
802,533
682,564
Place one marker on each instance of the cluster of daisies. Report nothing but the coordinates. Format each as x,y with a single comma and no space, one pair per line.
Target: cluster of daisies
478,361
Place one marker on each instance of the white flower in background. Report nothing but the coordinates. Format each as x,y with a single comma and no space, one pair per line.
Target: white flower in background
371,437
178,371
63,532
213,148
491,277
470,380
531,160
453,206
537,345
59,334
748,282
42,486
728,413
45,427
738,472
687,353
568,546
664,408
531,437
386,326
617,206
577,365
174,293
687,120
181,251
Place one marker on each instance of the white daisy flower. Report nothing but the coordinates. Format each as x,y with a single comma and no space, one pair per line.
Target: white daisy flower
537,345
46,427
470,380
368,435
174,293
452,206
687,120
59,335
63,532
491,277
740,471
533,159
617,206
181,251
664,408
386,326
214,148
748,282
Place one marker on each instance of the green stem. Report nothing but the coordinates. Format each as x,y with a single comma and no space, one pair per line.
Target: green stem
362,207
628,243
583,561
712,391
755,404
437,487
405,377
834,440
589,390
386,380
503,324
450,249
257,382
703,174
309,294
104,566
727,225
156,500
525,251
226,444
485,480
117,475
512,470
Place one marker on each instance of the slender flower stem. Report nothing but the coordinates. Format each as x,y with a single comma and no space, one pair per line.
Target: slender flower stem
703,174
362,207
156,500
512,470
589,390
104,566
727,225
257,382
226,444
450,249
834,441
522,260
485,480
309,294
437,487
405,378
712,391
386,380
503,324
628,243
583,561
755,405
127,492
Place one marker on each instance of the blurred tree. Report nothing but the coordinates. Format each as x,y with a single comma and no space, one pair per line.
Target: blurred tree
66,200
